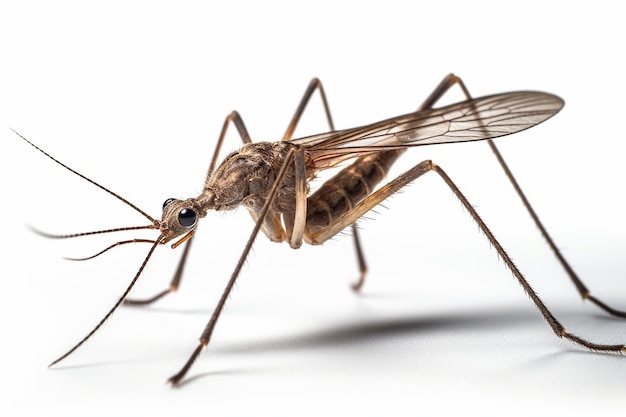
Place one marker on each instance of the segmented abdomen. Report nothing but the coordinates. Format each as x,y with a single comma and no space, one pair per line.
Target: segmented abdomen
346,189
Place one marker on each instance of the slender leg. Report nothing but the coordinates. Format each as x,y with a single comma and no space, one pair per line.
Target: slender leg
360,259
449,81
313,85
119,302
235,119
582,289
295,240
173,284
432,99
393,186
294,220
205,337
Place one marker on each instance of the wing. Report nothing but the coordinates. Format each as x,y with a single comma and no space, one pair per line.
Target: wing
477,119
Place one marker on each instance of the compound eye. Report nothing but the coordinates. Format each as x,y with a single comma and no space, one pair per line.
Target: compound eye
168,201
187,218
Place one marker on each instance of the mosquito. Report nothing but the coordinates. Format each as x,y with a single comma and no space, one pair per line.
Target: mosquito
271,179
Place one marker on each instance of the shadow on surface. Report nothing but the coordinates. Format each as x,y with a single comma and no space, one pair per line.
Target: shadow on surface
357,333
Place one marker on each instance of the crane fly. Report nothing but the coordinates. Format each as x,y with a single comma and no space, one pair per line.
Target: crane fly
271,179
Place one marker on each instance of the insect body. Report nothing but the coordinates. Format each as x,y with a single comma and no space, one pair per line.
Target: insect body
246,177
271,180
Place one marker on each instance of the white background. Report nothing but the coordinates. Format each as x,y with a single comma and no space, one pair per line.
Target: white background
133,94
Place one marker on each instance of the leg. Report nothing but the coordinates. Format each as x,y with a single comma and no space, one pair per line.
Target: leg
294,220
360,259
582,289
236,119
313,85
441,89
393,186
295,240
115,306
173,284
205,337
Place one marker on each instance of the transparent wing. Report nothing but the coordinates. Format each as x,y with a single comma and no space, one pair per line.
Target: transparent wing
477,119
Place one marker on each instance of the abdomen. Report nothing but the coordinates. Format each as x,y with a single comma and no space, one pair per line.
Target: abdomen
346,189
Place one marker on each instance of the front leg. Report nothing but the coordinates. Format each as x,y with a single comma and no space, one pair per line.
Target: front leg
235,119
205,337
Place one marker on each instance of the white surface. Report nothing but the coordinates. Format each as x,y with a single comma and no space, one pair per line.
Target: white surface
134,95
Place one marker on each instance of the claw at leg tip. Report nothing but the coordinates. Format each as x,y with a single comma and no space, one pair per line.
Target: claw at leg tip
174,381
356,287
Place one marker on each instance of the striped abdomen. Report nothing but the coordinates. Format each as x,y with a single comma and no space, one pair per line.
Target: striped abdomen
346,189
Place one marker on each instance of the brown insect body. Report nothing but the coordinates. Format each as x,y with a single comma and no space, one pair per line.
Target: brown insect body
346,189
246,177
271,180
